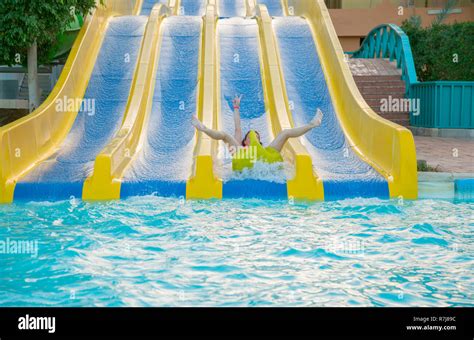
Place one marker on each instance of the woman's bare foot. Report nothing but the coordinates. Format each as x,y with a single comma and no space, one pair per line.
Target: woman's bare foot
317,119
198,124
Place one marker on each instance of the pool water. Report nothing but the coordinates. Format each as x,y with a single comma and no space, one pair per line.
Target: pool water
153,251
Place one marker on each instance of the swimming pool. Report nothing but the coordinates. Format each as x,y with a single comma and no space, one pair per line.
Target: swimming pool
154,251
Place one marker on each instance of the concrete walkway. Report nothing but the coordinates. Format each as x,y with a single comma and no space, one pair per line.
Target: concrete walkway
373,67
447,154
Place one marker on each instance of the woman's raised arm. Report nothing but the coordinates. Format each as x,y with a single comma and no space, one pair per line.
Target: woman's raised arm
237,125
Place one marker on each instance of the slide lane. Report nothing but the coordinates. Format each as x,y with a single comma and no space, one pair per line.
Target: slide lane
232,8
192,7
343,173
240,73
147,5
114,159
275,7
164,163
62,175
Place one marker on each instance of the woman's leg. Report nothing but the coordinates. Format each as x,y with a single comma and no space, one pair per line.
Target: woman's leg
215,134
286,134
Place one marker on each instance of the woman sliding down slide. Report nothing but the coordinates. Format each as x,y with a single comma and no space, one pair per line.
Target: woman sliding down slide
269,154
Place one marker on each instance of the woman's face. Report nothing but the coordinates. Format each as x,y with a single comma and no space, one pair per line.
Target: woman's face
247,139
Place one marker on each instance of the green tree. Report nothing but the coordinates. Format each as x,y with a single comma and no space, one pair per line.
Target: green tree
29,28
442,52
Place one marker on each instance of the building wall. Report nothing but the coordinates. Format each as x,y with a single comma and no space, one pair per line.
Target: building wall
352,24
350,43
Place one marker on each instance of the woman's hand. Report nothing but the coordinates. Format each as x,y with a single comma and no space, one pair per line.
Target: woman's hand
236,102
317,119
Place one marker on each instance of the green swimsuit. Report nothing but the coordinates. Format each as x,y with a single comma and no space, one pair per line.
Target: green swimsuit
245,157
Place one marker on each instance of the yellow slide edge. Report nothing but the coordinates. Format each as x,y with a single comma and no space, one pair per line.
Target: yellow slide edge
203,184
389,148
250,5
31,139
173,6
284,7
112,161
305,185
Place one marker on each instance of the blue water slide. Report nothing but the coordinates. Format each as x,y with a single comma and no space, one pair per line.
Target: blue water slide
164,163
192,7
240,74
148,5
62,175
344,174
232,8
274,7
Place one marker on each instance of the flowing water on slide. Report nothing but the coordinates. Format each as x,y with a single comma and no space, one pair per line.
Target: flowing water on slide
344,174
240,74
165,161
147,5
274,7
63,174
192,7
232,8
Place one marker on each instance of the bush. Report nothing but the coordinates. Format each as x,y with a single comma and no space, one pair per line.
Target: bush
435,49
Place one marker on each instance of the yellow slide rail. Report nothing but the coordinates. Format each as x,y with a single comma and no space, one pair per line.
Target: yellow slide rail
31,139
110,164
386,146
173,6
250,6
203,183
305,185
284,7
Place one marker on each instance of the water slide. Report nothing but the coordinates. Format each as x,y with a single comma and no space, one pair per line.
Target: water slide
378,156
62,175
27,142
153,152
240,72
139,140
355,153
164,163
344,174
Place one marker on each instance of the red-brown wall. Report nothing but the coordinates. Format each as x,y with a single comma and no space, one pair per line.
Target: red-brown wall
353,24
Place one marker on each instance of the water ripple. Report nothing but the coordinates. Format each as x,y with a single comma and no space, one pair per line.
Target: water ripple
151,251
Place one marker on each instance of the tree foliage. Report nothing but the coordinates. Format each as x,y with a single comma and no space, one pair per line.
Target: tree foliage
442,52
24,21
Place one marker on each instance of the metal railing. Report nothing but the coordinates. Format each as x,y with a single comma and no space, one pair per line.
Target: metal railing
388,41
442,104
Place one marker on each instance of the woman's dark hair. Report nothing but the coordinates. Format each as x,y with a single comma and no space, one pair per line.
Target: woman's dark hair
247,134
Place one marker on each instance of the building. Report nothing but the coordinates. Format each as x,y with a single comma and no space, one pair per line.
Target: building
353,19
